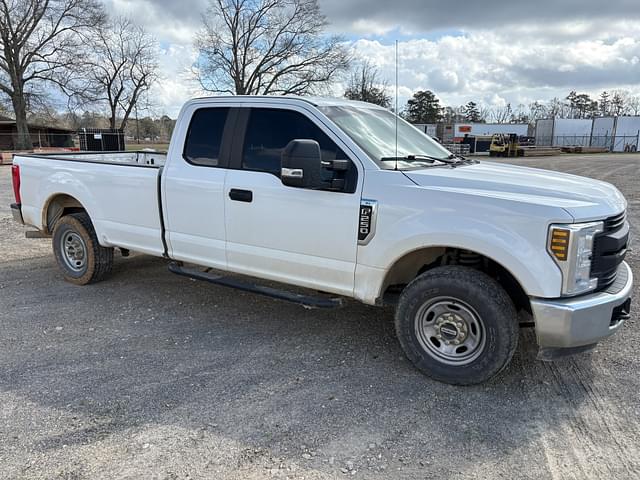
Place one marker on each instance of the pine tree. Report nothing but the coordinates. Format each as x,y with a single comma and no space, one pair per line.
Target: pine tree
471,112
424,107
604,105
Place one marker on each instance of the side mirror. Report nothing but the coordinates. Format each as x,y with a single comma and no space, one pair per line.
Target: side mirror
301,164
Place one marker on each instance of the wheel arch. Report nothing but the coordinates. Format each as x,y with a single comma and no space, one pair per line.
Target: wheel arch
408,266
58,205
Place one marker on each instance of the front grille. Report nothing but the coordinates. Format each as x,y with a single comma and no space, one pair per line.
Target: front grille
609,250
615,222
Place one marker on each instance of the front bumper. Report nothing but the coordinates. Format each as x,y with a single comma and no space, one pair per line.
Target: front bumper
16,211
573,324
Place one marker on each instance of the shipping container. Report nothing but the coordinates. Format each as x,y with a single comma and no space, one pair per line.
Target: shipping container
627,131
428,128
603,132
572,131
481,129
564,131
544,132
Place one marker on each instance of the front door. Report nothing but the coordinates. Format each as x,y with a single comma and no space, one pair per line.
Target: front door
288,234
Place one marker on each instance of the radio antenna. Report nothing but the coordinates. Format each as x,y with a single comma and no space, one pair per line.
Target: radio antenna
396,112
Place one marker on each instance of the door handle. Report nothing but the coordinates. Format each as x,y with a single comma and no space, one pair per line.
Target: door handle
241,195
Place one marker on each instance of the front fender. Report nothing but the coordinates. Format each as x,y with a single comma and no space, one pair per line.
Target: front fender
511,233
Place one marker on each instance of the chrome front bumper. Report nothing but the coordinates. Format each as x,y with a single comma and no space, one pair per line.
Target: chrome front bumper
574,324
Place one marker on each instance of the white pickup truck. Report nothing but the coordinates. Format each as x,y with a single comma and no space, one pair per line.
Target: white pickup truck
342,198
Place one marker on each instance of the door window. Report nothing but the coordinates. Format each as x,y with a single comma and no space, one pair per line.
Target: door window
204,138
268,133
270,130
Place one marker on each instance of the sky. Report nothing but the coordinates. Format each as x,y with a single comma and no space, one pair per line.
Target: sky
489,51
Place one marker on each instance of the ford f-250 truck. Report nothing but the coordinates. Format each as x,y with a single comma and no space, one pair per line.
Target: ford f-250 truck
343,198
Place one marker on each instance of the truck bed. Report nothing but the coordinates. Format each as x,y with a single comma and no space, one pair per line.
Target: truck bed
119,190
137,158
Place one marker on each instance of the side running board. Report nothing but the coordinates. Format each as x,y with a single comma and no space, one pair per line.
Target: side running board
304,300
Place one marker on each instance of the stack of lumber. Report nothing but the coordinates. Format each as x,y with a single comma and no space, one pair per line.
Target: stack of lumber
538,151
581,149
595,150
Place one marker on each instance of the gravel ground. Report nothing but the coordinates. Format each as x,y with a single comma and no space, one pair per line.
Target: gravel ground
150,375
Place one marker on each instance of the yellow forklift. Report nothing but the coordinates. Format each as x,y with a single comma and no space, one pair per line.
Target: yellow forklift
504,145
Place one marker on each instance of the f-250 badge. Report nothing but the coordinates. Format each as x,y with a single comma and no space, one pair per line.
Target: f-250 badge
367,221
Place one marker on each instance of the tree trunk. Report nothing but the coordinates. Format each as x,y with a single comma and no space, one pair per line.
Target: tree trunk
23,139
112,120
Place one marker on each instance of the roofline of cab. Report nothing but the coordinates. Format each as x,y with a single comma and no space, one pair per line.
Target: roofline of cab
285,99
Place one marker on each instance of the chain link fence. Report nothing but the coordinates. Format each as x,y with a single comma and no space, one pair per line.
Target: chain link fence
617,143
88,140
39,140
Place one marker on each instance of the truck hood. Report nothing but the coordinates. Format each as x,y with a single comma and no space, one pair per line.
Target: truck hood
583,198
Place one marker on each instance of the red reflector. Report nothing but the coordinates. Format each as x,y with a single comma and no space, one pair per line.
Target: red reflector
15,176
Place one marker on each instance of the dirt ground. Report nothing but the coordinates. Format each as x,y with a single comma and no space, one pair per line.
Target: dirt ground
150,375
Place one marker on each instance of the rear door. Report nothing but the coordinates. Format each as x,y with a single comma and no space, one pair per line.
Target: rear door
293,235
194,186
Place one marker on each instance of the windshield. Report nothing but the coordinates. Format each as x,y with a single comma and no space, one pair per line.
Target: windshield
374,130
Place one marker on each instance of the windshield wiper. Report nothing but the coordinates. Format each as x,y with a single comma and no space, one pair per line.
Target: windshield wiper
415,158
452,160
455,159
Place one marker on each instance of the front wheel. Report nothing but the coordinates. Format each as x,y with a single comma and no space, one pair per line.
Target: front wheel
457,325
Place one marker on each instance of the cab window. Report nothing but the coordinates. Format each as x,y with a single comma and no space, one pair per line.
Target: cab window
270,130
204,137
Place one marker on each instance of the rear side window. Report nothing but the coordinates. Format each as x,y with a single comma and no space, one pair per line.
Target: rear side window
204,138
270,130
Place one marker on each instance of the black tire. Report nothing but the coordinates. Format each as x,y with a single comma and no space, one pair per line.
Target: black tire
474,292
94,263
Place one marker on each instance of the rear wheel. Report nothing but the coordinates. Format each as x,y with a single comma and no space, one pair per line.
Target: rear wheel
79,254
457,325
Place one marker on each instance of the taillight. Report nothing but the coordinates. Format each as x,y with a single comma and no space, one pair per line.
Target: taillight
15,175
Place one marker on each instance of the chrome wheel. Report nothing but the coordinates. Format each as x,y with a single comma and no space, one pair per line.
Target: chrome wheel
74,251
450,331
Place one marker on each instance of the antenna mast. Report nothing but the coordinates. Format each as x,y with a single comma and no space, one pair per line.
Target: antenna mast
396,112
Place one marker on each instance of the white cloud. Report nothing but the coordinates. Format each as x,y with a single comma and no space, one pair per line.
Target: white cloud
500,68
483,51
176,84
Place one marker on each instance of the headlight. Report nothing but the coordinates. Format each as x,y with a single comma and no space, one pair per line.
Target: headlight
571,246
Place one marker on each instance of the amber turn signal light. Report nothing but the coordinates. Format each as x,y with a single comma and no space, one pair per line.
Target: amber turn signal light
560,243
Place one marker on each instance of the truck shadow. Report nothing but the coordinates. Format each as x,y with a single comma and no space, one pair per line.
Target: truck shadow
147,348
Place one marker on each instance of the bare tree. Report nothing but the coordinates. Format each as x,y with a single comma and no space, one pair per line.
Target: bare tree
38,40
122,69
250,47
537,111
501,114
453,114
557,108
485,113
366,85
633,105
